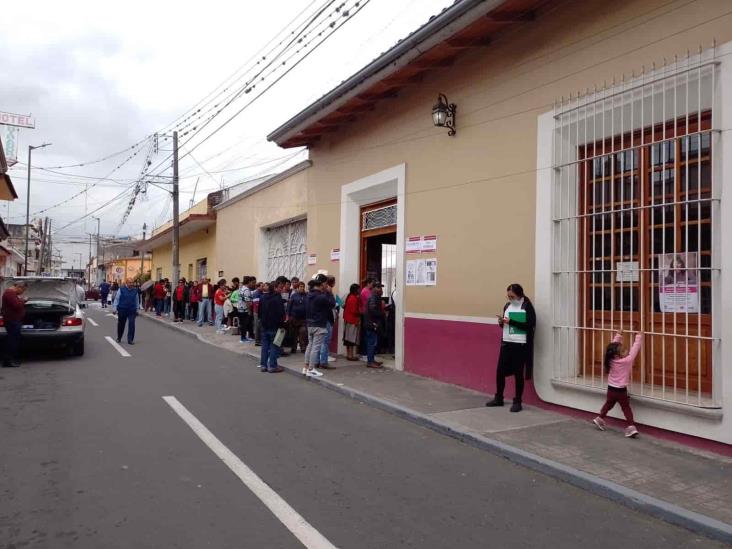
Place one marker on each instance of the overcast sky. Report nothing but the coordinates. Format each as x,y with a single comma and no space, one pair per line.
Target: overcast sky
98,80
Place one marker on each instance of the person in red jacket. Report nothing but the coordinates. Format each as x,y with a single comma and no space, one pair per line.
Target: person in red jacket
13,311
180,297
352,319
159,296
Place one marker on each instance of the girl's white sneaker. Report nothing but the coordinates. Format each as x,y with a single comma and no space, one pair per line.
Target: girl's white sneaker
314,373
599,423
631,431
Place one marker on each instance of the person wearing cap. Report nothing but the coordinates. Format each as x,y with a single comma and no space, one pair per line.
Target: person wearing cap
318,307
374,324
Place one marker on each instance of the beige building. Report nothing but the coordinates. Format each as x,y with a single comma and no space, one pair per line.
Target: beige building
587,163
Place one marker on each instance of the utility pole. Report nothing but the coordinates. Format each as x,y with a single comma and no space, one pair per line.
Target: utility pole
27,206
88,278
98,268
142,252
176,220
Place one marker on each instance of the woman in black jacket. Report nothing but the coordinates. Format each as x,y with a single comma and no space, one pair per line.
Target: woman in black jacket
518,322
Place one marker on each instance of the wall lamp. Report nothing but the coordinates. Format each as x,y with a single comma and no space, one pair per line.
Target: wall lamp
443,114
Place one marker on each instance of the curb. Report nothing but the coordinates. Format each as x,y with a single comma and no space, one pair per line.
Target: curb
613,491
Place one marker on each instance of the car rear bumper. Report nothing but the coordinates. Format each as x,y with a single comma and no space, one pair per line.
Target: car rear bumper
51,337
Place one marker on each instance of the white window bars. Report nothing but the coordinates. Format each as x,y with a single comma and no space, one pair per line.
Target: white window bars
636,230
379,218
286,249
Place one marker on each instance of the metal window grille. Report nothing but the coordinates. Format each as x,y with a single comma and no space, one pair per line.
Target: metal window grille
379,218
286,249
636,231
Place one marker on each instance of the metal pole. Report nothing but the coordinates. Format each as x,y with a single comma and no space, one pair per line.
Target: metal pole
176,220
27,213
88,278
142,252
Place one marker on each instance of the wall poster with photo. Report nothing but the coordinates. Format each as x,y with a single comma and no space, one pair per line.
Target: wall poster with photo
678,286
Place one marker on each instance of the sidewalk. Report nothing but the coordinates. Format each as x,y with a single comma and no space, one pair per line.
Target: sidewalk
682,485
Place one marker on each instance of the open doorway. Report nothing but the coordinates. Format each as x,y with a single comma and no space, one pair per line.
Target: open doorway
379,259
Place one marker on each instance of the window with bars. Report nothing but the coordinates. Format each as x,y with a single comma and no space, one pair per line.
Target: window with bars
635,216
379,218
286,250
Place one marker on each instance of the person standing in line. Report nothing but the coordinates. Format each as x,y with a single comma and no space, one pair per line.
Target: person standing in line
618,366
517,345
159,296
234,299
250,284
219,298
104,288
180,296
205,292
318,307
352,322
256,296
168,295
126,304
366,289
296,318
195,296
114,288
325,349
13,311
272,318
375,323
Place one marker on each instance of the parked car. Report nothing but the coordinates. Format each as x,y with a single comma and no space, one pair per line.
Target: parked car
53,315
93,294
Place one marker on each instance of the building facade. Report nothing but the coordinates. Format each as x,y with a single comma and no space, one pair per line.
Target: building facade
588,164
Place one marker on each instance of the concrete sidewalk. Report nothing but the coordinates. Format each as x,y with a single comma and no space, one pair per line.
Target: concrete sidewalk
679,484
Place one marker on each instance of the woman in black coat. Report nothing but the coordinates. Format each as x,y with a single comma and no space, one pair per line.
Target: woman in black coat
516,358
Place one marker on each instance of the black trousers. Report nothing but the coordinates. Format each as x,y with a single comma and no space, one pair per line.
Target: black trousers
511,361
179,309
12,342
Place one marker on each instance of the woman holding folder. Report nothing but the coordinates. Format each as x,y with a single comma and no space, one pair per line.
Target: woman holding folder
517,345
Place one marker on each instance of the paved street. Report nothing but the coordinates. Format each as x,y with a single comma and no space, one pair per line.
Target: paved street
93,456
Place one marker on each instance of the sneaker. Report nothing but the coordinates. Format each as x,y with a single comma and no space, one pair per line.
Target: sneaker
313,373
374,365
599,423
494,403
263,369
332,359
305,370
516,406
326,367
277,370
631,431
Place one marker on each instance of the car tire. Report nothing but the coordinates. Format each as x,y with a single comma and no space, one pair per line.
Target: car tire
77,349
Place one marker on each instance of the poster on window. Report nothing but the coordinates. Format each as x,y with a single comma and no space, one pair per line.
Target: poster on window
679,283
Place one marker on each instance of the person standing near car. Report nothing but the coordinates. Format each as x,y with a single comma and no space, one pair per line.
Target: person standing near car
126,304
13,311
104,293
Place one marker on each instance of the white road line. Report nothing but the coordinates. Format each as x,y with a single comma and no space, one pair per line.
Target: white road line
292,520
93,322
117,346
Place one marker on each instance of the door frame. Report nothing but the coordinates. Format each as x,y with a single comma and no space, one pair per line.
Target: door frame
378,187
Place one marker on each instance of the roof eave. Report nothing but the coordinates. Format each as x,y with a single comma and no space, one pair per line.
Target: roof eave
435,31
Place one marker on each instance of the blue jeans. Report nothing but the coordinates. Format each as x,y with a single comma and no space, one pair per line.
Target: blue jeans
103,298
129,318
270,351
204,311
325,349
158,306
219,310
372,340
166,305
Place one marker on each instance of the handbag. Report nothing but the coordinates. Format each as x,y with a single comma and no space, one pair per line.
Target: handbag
279,337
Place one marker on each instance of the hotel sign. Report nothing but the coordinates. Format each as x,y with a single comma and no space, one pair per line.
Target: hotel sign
19,120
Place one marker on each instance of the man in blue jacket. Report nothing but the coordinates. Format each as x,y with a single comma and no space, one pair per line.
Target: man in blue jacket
104,293
126,304
271,318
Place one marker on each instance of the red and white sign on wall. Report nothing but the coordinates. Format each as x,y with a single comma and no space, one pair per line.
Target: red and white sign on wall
429,243
19,120
414,245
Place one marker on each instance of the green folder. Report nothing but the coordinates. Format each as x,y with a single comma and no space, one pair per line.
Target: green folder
518,316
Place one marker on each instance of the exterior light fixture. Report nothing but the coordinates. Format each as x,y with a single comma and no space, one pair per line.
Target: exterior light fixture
443,114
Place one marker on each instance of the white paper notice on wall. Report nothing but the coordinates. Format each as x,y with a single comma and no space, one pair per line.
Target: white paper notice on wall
312,259
414,245
335,254
412,272
430,272
627,271
429,243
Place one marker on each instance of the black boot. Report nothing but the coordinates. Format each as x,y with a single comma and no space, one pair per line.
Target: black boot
516,405
497,401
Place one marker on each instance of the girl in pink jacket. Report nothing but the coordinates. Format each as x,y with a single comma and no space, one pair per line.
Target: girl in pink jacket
618,366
